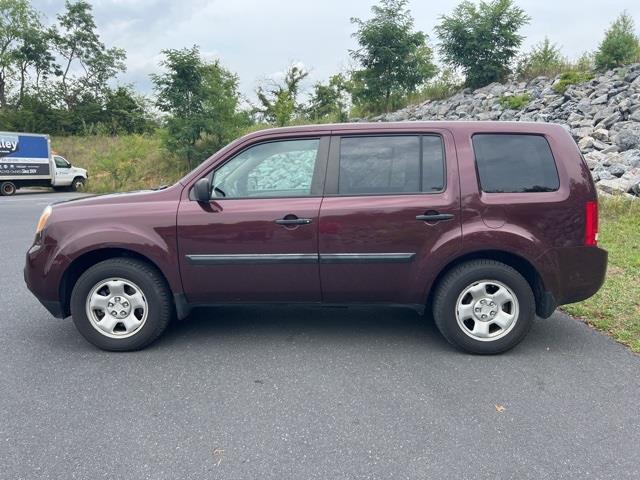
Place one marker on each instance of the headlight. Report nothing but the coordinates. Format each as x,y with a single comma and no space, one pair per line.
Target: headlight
43,219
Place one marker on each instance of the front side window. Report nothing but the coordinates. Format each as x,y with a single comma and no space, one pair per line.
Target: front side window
274,169
515,163
391,164
61,162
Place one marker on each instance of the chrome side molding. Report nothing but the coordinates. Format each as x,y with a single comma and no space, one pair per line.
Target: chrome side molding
271,258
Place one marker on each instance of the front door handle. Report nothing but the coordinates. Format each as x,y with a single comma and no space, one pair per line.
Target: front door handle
434,217
293,220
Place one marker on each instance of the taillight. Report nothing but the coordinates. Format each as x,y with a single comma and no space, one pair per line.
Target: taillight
591,224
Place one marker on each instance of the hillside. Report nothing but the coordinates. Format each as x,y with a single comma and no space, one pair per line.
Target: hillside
603,115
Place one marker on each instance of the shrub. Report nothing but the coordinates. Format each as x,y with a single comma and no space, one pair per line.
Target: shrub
393,58
571,77
515,102
482,39
584,63
544,59
444,85
620,46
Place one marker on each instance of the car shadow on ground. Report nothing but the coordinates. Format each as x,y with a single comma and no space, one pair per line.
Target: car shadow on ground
241,328
352,324
34,191
368,327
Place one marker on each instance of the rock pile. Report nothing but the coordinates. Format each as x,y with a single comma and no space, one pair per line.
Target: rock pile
602,114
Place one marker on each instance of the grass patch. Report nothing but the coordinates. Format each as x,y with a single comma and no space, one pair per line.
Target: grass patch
515,102
129,162
615,309
571,77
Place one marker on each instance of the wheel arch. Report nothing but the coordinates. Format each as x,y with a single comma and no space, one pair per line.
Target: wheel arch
545,303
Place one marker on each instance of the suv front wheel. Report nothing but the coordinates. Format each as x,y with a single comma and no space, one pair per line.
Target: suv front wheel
121,304
484,306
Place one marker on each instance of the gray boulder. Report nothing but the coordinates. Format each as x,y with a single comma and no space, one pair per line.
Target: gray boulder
628,137
617,170
601,134
614,186
585,144
610,120
631,158
603,174
594,159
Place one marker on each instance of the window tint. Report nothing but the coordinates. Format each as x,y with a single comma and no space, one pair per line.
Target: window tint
390,164
432,163
515,163
274,169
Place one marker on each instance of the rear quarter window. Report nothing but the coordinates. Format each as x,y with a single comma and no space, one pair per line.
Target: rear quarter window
515,163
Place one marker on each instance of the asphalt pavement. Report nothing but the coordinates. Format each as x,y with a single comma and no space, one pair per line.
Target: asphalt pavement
303,393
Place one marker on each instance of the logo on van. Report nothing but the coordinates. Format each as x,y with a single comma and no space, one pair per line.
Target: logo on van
8,144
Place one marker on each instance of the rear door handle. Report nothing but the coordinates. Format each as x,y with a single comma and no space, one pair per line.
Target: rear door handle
293,221
434,217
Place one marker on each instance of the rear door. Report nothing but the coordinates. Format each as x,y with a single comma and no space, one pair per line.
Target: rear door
390,201
257,239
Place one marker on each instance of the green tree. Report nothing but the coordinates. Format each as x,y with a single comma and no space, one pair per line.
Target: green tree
393,58
482,40
37,94
34,55
18,22
78,41
620,45
201,99
126,112
329,101
279,100
544,58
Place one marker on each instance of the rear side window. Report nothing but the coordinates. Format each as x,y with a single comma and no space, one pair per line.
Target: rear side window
513,163
391,164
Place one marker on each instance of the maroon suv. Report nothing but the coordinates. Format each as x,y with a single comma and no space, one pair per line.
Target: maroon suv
484,224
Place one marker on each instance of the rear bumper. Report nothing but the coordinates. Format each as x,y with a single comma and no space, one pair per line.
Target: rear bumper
573,274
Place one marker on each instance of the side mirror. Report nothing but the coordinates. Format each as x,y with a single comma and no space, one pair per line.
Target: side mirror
202,190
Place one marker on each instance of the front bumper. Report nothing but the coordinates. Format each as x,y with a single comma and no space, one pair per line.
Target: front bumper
40,281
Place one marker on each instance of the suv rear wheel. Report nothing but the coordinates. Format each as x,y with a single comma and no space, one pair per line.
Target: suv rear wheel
121,304
484,306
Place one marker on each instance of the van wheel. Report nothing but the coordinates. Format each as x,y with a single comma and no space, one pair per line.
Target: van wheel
77,185
121,304
7,189
484,306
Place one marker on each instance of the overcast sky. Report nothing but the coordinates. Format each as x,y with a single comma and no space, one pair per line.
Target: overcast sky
259,38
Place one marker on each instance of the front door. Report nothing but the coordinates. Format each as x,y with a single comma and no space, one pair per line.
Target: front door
390,201
257,239
63,175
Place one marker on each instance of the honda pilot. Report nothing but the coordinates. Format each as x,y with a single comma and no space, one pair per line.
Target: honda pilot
484,225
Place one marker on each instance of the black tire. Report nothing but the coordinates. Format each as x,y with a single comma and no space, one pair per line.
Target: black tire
463,276
154,288
77,184
7,189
